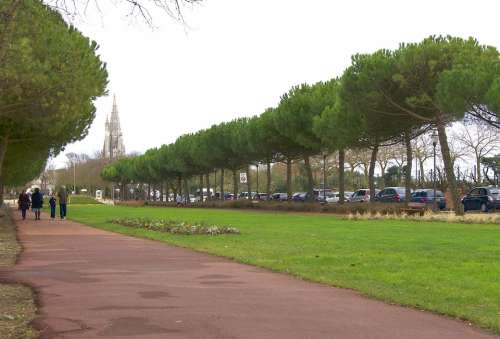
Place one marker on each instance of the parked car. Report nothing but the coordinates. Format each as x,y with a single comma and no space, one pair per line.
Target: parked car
391,194
279,196
299,196
426,196
321,194
244,195
194,198
302,196
261,196
482,198
335,197
227,196
361,195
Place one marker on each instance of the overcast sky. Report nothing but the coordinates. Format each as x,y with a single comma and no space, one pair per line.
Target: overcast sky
238,56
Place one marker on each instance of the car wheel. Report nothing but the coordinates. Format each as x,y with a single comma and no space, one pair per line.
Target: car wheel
484,208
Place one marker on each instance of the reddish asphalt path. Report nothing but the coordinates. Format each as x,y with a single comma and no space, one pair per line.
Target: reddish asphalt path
96,284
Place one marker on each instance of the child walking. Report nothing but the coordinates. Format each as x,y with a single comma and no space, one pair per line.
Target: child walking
52,203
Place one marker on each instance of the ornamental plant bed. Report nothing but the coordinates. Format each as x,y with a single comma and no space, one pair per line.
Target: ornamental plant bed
175,227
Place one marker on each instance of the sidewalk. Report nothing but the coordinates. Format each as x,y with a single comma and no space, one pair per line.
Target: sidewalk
93,284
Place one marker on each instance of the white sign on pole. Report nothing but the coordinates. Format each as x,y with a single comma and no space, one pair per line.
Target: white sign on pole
243,178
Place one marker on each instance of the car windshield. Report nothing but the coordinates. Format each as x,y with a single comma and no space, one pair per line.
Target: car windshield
362,193
420,194
495,191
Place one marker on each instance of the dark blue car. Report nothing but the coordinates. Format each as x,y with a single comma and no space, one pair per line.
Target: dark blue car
391,194
426,196
483,199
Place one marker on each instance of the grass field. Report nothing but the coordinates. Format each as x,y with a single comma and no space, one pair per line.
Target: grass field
81,200
452,269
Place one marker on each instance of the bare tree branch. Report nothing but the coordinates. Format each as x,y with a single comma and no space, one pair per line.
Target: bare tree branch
143,9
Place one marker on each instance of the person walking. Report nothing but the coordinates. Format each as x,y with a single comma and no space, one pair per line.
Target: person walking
24,203
52,203
37,203
62,195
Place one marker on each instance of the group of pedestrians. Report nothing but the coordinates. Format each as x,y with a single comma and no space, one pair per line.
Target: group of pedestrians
35,201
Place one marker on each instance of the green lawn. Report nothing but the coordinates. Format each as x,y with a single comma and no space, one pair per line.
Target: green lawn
81,200
452,269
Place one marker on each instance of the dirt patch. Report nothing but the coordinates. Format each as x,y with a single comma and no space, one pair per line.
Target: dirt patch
17,306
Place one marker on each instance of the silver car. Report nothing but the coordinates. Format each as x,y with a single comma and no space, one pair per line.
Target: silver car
335,197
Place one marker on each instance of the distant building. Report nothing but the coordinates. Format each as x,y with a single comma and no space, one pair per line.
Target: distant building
113,137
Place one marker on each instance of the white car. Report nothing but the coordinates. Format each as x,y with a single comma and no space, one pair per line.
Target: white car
362,195
335,197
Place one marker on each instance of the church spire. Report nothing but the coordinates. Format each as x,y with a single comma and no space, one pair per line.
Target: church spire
113,139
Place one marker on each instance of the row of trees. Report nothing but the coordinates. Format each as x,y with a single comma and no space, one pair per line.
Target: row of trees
49,76
384,98
472,149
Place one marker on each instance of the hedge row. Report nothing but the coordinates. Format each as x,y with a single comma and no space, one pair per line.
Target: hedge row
287,206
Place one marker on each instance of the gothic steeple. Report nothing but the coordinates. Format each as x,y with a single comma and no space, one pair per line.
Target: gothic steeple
113,138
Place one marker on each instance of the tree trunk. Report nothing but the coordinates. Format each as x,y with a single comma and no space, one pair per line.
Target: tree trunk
371,172
289,178
235,183
201,187
310,180
478,170
268,183
215,185
341,175
179,186
409,162
161,191
1,192
187,199
3,150
209,193
222,184
448,166
249,184
149,192
257,179
422,172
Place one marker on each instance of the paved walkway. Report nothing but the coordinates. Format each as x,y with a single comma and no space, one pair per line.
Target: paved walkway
96,284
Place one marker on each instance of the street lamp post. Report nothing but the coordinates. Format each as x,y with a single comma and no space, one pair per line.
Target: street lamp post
434,137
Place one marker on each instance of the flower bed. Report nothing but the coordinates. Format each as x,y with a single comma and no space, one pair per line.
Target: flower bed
175,227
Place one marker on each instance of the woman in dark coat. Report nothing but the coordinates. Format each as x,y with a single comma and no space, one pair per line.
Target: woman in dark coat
37,203
24,203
